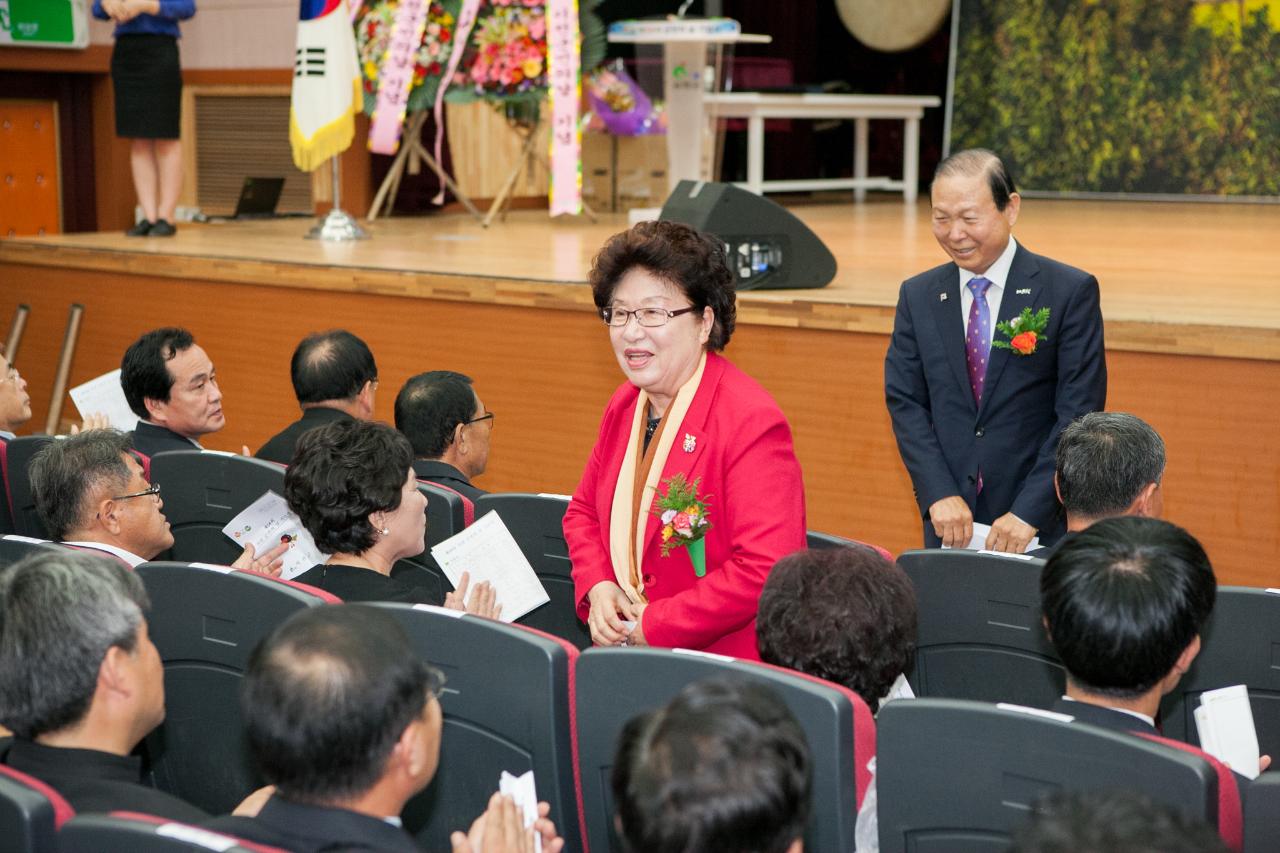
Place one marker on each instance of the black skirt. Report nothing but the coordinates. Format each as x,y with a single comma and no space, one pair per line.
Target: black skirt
148,86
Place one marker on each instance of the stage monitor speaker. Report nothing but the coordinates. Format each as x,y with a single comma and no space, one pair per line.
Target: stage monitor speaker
768,248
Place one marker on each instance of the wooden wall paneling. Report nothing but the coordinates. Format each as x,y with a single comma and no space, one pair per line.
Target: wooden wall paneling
114,198
548,372
30,198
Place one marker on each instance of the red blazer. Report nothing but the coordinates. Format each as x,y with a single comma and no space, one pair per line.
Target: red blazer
751,477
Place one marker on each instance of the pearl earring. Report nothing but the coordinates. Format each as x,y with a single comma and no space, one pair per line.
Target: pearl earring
385,531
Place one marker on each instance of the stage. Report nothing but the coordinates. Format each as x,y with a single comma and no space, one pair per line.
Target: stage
1189,298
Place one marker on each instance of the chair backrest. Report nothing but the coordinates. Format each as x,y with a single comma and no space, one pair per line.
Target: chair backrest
821,541
961,776
13,548
205,621
6,499
507,706
446,515
1237,646
31,813
19,452
536,523
202,491
615,684
1262,814
130,832
980,634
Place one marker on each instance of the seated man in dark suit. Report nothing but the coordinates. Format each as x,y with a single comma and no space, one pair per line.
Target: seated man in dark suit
15,402
334,378
1109,464
846,615
724,766
1124,602
81,682
343,718
91,494
172,387
449,428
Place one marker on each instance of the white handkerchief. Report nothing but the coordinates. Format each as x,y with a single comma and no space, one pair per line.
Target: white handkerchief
525,795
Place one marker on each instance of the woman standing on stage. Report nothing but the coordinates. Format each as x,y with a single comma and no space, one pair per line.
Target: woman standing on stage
685,414
147,81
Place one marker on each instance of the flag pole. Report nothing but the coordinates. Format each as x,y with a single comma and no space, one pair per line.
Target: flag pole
338,225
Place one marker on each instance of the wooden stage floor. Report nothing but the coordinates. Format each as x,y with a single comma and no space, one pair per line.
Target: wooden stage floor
1188,278
1190,297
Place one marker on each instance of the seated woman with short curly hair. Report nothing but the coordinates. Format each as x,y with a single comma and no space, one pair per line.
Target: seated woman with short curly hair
352,485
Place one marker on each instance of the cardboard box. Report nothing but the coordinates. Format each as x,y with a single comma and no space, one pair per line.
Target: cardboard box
622,172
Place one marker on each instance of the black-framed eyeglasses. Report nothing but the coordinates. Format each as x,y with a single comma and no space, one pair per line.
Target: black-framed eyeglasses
435,682
487,416
649,317
154,490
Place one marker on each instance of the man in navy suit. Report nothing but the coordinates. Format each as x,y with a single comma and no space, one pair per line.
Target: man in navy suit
977,425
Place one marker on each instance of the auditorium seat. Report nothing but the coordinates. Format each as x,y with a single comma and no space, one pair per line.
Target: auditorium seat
31,813
130,832
980,633
615,684
13,548
959,777
202,490
1262,814
536,523
1237,646
19,452
6,499
447,513
819,541
205,621
506,706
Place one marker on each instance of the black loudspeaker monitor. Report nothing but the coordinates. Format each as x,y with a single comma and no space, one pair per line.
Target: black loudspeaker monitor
768,248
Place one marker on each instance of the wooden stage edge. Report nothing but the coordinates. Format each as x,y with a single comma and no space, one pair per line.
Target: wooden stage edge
531,261
509,307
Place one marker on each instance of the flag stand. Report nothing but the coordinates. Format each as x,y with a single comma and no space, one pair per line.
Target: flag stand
338,226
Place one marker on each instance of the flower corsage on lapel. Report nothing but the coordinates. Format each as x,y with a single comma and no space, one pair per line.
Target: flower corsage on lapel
1025,331
684,520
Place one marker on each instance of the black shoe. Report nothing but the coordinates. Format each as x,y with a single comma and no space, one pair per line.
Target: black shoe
162,228
142,229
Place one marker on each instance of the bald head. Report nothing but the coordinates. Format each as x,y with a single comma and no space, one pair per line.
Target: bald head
331,366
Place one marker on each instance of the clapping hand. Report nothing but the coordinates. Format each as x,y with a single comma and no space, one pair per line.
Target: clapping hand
501,830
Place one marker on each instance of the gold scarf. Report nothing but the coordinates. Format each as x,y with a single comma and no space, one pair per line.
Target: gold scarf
631,506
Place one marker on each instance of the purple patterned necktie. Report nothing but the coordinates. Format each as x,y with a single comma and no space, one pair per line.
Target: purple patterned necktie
977,341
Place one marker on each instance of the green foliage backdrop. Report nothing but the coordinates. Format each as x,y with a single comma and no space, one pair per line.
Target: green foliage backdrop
1123,96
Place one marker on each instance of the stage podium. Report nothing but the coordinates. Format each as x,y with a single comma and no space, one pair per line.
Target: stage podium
693,53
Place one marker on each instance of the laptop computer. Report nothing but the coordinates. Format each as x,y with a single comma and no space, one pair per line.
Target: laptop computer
258,198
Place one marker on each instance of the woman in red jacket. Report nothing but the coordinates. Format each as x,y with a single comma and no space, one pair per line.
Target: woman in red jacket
666,293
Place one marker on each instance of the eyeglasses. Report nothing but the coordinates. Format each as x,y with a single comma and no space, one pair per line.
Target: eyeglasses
435,682
649,317
12,376
487,416
154,490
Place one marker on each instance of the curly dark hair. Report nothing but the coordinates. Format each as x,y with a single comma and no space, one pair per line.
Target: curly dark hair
341,473
686,257
847,615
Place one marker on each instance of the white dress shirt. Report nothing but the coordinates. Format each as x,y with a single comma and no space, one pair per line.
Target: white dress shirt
997,274
132,559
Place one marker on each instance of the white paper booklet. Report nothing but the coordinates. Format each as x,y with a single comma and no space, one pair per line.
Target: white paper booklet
525,795
979,540
105,396
488,551
1225,723
265,524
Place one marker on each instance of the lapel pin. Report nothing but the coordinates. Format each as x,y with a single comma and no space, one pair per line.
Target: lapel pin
689,443
1026,291
942,297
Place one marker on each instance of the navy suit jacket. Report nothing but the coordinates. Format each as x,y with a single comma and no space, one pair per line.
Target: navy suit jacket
945,438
